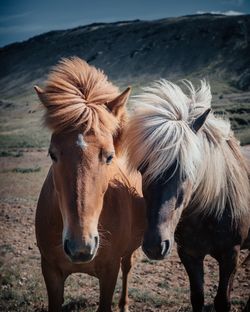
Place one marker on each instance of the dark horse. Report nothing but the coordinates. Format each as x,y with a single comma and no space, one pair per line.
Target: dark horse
90,214
193,172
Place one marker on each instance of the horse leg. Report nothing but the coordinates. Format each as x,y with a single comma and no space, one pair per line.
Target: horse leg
195,271
54,281
107,281
126,265
227,266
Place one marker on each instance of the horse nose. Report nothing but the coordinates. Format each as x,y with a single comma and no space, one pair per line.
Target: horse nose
156,251
81,252
165,247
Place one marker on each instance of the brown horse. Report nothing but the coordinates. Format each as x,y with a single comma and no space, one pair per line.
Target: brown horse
90,214
192,168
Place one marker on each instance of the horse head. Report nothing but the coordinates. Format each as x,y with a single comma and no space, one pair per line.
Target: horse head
164,146
86,114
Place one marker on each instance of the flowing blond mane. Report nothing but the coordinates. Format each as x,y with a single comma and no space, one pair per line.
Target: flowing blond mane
160,134
75,95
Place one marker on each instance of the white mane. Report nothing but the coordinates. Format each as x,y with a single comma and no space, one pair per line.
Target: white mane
160,133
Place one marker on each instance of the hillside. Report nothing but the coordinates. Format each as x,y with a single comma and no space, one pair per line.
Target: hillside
173,47
136,52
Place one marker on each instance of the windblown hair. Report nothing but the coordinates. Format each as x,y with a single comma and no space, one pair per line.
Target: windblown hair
159,135
75,96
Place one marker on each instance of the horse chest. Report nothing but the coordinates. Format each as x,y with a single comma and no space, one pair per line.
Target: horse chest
205,235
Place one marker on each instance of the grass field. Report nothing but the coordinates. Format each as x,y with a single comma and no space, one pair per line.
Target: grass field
21,125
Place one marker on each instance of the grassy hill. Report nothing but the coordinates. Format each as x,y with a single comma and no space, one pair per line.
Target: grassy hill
136,53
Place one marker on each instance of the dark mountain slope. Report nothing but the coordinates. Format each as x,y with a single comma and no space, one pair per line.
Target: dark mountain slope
199,45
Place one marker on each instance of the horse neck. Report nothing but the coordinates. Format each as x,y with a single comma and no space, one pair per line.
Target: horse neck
224,183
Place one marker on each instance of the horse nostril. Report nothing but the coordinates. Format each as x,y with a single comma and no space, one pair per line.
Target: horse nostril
94,245
165,246
96,240
66,247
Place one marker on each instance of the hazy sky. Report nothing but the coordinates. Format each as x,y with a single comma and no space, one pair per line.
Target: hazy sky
22,19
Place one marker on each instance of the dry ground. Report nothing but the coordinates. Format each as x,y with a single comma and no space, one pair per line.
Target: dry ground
154,286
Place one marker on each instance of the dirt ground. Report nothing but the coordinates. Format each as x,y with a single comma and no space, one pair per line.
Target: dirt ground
154,286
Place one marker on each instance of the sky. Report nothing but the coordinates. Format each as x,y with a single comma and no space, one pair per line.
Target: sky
22,19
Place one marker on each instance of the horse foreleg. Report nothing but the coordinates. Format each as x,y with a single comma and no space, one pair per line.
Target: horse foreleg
227,266
54,281
195,271
126,265
107,282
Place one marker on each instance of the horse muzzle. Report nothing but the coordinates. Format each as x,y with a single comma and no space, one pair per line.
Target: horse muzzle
154,247
81,252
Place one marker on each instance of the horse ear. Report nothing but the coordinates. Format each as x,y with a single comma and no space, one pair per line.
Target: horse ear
116,105
40,93
199,121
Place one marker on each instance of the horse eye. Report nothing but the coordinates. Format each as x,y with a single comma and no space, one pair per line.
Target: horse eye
52,156
109,159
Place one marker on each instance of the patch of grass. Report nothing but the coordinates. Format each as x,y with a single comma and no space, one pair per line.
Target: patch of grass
24,141
19,291
7,153
8,294
238,301
14,300
75,305
243,136
181,290
26,170
163,284
148,297
8,277
4,249
146,260
89,309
